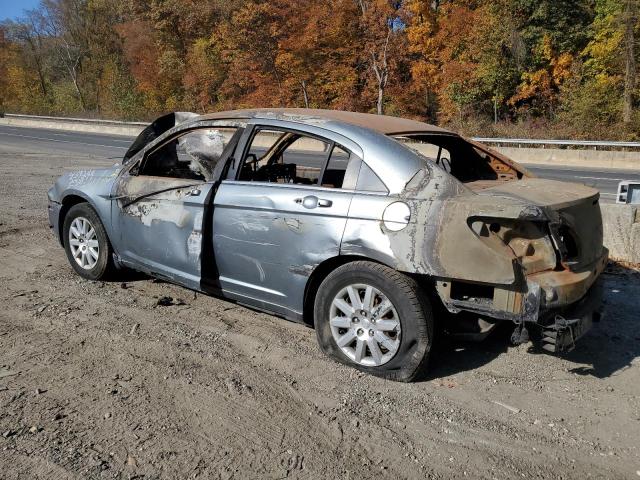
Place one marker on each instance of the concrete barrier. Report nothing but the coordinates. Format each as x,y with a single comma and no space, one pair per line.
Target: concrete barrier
108,127
621,224
605,159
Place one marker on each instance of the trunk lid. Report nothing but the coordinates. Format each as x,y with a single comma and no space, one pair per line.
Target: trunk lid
573,211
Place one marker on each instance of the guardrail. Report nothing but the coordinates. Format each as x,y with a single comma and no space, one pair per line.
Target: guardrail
504,142
561,143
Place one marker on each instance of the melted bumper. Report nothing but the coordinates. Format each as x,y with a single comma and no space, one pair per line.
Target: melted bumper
560,289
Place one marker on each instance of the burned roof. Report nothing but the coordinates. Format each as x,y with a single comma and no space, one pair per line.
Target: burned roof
383,124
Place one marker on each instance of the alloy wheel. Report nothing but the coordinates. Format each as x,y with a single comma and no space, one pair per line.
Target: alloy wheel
365,324
83,242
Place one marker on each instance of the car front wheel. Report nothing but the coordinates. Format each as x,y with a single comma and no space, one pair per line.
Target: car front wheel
376,319
86,243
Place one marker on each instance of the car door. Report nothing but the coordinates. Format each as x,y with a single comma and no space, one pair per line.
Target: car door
281,212
162,202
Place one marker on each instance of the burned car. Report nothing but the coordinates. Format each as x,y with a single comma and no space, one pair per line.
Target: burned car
369,228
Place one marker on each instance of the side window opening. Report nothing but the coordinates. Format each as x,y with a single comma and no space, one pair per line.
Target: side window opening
276,156
336,168
309,156
191,156
459,158
437,154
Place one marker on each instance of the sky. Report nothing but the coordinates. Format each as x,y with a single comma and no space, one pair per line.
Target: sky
14,8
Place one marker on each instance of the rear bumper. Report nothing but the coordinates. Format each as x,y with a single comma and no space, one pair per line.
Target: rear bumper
564,288
562,328
561,303
569,304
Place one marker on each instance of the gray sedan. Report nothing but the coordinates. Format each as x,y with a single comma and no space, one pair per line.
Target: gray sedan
369,228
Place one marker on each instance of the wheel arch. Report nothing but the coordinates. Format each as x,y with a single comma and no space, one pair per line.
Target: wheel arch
426,282
319,274
68,201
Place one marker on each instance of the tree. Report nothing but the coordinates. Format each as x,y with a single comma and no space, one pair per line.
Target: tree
539,90
379,27
30,32
420,18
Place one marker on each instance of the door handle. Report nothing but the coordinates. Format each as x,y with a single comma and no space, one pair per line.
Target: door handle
311,201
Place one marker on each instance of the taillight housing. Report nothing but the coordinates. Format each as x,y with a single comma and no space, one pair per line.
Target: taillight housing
529,241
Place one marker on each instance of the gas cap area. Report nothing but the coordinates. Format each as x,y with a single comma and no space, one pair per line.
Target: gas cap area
396,216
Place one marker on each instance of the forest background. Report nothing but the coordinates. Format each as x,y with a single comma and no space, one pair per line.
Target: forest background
514,68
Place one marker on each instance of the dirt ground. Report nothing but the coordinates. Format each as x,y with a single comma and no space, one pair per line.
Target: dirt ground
99,381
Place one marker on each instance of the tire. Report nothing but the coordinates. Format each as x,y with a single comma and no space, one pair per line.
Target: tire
92,243
402,353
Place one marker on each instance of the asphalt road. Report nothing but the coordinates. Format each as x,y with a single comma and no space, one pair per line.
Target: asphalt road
113,147
604,180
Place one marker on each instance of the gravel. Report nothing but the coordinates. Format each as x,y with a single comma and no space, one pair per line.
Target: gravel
131,389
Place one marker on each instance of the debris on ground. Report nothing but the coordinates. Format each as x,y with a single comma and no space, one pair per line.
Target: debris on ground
8,373
508,407
166,301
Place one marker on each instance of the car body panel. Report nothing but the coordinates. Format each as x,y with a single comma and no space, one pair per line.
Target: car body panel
159,223
267,243
93,186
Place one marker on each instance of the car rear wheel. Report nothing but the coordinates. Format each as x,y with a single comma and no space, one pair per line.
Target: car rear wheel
376,319
86,243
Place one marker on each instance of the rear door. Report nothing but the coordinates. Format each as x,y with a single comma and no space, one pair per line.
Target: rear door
281,212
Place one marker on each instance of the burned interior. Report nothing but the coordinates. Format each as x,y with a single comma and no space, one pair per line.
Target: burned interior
464,160
192,155
281,156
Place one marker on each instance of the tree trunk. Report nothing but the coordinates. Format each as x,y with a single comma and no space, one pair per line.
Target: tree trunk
74,76
380,68
427,104
80,95
630,19
41,79
304,93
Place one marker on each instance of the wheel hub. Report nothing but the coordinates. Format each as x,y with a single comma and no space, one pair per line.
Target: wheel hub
365,324
83,243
